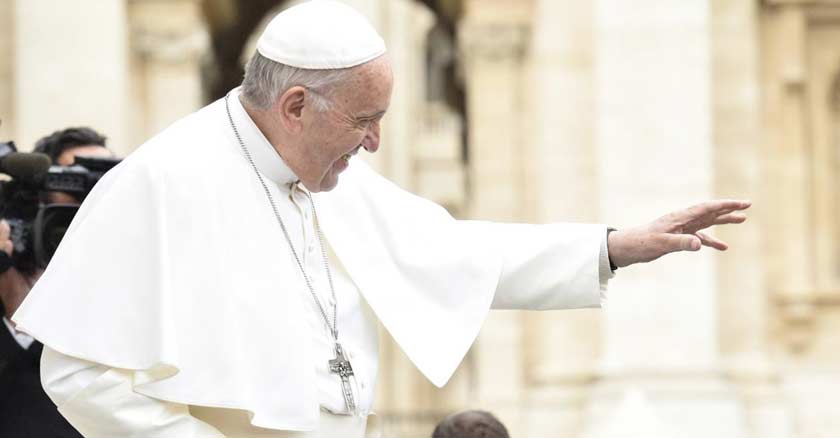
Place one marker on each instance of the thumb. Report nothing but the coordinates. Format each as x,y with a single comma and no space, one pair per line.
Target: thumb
681,242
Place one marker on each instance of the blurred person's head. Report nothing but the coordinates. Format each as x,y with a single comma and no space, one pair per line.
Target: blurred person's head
470,424
64,146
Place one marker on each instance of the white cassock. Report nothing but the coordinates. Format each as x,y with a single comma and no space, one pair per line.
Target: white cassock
173,306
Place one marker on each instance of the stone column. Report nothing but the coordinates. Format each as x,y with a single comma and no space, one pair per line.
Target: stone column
70,68
801,62
789,270
738,153
439,164
561,347
493,54
168,39
655,149
492,50
7,78
404,25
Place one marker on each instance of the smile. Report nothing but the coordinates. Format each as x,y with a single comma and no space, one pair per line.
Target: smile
347,156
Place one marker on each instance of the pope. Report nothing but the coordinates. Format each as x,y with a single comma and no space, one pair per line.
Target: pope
227,277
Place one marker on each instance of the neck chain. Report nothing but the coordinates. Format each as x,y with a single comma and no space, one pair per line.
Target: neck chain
340,365
330,325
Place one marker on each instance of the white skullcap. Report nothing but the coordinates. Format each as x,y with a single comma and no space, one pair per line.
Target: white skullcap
320,35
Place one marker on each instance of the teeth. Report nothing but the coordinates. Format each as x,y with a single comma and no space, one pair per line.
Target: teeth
350,154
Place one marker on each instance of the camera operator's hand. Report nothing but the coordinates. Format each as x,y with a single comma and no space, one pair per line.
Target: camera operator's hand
6,244
14,286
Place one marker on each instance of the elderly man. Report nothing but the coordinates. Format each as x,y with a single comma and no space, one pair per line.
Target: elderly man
200,292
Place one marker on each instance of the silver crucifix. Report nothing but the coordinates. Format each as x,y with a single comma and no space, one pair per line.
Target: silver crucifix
341,366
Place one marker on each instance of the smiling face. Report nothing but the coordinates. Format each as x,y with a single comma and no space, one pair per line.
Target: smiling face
321,146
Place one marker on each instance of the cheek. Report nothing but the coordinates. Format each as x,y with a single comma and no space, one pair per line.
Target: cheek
346,143
330,142
357,138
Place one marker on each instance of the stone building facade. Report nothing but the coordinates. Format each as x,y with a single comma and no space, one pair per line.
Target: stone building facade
608,111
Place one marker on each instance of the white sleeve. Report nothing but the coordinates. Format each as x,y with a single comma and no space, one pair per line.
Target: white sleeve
100,402
553,266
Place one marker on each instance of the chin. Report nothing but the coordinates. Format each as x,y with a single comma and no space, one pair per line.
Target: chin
328,185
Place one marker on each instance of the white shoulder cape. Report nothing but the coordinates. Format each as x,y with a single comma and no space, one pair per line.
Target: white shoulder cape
175,267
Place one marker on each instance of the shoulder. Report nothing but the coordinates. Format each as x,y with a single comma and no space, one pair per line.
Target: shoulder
194,147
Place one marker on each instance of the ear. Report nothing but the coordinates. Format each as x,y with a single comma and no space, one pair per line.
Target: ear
290,108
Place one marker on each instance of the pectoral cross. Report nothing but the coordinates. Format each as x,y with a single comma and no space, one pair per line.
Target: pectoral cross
341,366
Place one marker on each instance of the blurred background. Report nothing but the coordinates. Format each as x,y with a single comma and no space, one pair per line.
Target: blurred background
608,111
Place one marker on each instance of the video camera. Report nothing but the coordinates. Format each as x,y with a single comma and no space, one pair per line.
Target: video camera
37,226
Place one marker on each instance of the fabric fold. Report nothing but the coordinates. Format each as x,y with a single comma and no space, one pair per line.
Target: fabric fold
175,267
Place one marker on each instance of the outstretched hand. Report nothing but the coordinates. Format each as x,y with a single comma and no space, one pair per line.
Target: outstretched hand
677,231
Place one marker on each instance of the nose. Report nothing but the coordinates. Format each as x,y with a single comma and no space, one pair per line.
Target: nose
371,140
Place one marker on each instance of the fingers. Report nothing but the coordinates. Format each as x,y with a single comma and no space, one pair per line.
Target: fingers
724,205
680,242
712,242
731,204
716,208
710,213
680,230
730,218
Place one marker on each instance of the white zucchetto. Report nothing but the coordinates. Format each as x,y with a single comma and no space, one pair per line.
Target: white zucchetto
320,35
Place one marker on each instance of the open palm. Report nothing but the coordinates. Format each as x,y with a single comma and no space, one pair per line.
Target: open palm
677,231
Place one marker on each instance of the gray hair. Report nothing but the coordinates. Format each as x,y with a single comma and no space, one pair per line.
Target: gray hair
266,80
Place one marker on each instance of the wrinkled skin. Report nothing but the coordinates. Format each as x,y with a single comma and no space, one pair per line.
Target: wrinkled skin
677,231
316,144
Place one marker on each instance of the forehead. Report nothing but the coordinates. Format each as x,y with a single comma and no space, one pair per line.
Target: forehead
68,156
368,88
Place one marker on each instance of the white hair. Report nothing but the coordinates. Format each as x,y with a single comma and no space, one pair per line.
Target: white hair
266,80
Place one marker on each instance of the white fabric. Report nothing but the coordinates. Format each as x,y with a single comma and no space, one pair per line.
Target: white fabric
175,267
320,34
356,323
99,402
605,270
21,338
530,278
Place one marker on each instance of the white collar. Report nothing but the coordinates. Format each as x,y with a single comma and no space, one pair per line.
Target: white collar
22,338
266,158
